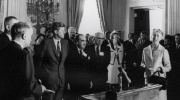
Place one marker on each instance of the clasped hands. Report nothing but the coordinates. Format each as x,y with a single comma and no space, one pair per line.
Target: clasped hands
152,70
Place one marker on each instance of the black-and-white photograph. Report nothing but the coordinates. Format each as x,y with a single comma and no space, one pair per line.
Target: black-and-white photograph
89,49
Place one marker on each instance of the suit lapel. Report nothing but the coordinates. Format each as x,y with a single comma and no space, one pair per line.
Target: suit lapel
62,48
54,47
149,52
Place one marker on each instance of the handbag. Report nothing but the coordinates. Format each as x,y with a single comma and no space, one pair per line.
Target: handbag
158,80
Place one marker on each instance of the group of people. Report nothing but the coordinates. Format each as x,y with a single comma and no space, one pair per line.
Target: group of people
67,65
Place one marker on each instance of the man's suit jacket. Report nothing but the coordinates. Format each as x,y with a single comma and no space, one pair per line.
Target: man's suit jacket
74,60
4,40
17,79
140,46
50,68
77,69
99,63
175,54
130,52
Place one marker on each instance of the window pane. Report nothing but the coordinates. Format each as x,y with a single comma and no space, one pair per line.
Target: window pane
90,22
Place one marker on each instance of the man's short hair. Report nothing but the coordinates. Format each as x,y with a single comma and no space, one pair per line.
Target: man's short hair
177,34
168,37
19,28
77,37
71,28
143,32
99,34
56,25
7,20
107,32
39,35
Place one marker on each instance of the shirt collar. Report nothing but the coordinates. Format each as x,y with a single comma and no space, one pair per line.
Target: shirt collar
80,49
56,40
9,36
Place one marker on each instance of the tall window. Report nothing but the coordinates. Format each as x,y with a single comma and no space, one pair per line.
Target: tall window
90,22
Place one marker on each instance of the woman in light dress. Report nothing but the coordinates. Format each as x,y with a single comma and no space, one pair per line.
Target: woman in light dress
156,58
116,61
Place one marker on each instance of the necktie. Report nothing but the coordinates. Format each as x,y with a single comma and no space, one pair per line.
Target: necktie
80,51
97,50
58,49
177,47
142,42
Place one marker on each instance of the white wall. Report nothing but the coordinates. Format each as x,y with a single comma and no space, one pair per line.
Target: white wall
156,19
129,24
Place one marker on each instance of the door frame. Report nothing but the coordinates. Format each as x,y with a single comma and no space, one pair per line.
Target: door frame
129,24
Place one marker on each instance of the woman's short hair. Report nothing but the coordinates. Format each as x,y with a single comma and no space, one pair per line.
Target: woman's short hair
112,35
156,30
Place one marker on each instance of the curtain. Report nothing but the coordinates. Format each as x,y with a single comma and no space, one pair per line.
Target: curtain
112,14
105,14
17,8
74,13
173,16
1,14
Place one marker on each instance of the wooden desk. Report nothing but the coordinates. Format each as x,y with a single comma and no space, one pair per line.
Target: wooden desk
145,93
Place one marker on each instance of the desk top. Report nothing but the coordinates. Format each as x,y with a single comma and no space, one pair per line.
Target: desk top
135,94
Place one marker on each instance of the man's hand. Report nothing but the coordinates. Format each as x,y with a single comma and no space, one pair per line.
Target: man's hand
91,85
43,88
135,64
68,86
151,70
160,69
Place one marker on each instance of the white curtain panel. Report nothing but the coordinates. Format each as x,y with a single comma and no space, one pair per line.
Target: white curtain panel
173,12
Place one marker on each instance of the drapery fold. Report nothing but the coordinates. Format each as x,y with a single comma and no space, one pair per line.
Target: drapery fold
1,14
173,14
105,13
112,14
17,8
75,10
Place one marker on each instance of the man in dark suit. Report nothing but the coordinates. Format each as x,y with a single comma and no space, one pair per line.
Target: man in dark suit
99,60
107,40
51,65
17,81
77,68
130,58
173,90
5,37
70,35
140,45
